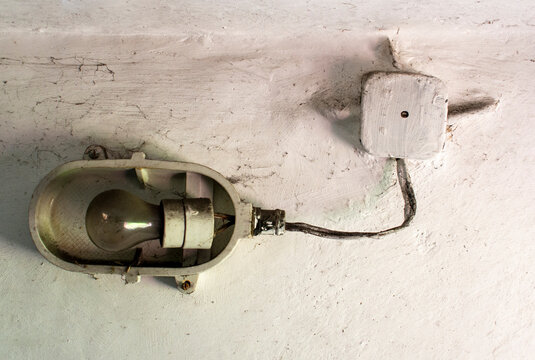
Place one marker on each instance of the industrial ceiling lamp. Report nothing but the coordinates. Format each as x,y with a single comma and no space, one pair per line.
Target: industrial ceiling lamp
107,214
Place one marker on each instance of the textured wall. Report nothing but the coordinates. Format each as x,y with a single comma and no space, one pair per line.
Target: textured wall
267,94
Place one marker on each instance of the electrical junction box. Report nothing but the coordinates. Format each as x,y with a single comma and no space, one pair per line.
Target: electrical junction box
403,115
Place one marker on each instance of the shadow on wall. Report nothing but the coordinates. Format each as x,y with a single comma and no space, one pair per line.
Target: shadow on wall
471,106
339,100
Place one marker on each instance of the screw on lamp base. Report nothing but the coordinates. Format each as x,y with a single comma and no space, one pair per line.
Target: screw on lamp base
186,283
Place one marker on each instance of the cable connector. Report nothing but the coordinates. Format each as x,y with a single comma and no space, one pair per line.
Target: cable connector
268,222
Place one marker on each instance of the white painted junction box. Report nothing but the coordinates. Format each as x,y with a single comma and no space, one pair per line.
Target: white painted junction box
403,115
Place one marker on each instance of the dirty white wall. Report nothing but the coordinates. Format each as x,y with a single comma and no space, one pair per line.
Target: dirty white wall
267,94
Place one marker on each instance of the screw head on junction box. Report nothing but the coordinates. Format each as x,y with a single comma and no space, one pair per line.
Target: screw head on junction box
403,115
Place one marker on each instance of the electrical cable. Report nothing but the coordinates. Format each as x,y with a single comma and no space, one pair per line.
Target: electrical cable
228,221
223,228
409,211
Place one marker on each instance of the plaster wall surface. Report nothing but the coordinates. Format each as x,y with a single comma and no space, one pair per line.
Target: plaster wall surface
267,94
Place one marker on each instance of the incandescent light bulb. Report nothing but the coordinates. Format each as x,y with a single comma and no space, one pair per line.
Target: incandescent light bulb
117,220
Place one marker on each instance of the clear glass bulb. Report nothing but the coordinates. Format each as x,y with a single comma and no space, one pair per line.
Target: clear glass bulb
117,220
